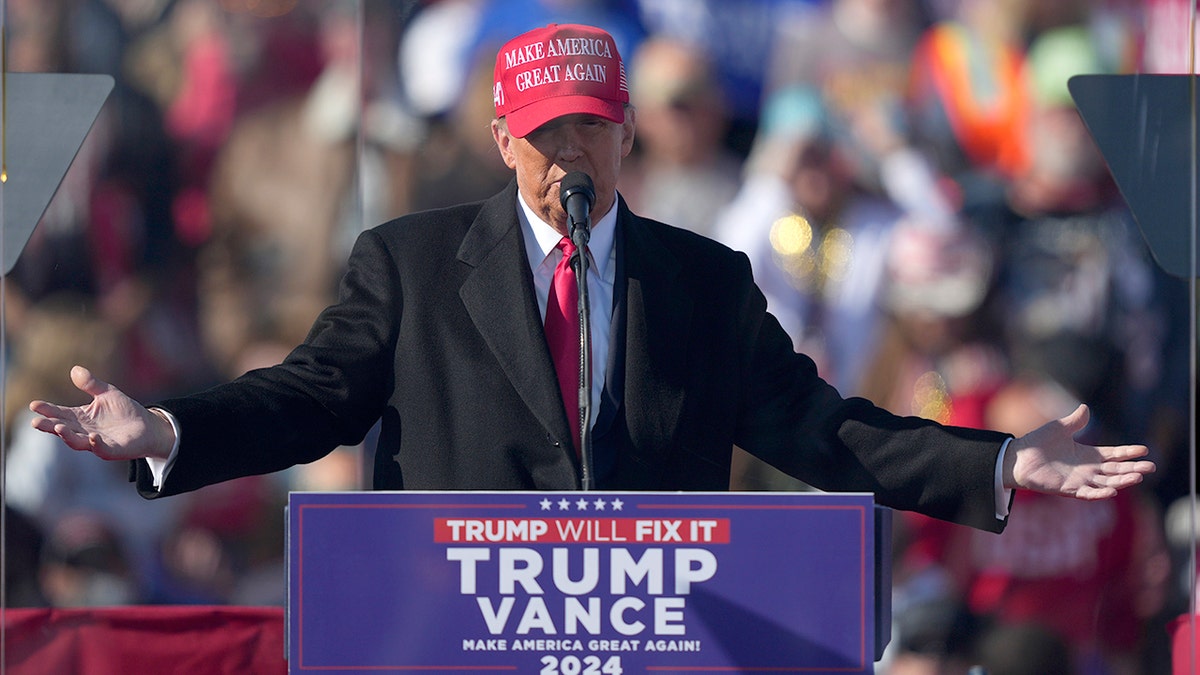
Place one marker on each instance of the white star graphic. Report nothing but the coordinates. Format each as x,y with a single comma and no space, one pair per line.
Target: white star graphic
563,504
617,504
545,504
581,504
599,504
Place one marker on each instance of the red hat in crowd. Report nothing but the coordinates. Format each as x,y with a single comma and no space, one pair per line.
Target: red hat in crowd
559,70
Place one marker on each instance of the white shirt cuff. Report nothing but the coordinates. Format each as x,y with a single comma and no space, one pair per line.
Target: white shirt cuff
159,468
1003,494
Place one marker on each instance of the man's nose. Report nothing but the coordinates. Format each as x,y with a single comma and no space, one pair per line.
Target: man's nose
568,143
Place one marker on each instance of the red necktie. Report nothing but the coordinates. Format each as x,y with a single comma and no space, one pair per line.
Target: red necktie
562,333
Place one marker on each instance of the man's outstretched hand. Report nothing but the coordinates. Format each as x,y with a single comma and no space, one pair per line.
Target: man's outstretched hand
1049,460
112,426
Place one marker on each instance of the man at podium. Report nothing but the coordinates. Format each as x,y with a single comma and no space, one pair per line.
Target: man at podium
439,333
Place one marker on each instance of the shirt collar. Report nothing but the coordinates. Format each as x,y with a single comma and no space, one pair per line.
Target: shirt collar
541,238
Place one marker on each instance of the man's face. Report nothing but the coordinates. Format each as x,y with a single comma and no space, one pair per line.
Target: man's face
584,143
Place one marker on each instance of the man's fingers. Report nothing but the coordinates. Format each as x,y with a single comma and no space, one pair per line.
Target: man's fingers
1120,481
42,423
1094,493
53,419
1124,452
44,409
74,439
1126,466
1113,477
50,416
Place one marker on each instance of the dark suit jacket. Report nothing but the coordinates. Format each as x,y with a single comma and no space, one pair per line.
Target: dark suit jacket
437,333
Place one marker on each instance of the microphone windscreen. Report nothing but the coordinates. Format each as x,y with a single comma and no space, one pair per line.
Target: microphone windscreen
576,183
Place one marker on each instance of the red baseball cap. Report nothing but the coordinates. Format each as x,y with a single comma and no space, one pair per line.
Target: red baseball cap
559,70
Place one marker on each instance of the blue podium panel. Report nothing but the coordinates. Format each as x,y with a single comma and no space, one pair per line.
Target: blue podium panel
575,583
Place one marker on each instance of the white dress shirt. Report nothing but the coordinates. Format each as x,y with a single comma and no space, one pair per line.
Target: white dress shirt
541,245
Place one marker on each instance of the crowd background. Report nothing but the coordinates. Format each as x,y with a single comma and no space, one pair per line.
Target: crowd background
920,200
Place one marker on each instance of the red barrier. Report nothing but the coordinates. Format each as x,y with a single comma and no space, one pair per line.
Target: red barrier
197,640
1184,638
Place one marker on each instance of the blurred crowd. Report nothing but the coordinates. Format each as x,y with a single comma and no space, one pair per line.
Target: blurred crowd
922,204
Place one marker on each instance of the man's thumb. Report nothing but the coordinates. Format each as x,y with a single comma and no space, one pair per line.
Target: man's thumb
88,383
1078,419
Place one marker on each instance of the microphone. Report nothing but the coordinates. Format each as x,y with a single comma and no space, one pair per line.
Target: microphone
577,196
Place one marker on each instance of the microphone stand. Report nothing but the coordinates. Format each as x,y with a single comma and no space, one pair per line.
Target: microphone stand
580,234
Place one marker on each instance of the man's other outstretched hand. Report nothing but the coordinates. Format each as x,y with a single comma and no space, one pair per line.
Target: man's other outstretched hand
113,426
1049,460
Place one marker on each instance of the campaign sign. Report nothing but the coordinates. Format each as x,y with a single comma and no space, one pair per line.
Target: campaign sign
576,583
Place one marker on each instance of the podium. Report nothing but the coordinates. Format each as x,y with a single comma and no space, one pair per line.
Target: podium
586,582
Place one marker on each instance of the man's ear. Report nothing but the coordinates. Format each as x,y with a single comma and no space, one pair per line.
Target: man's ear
503,143
627,130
